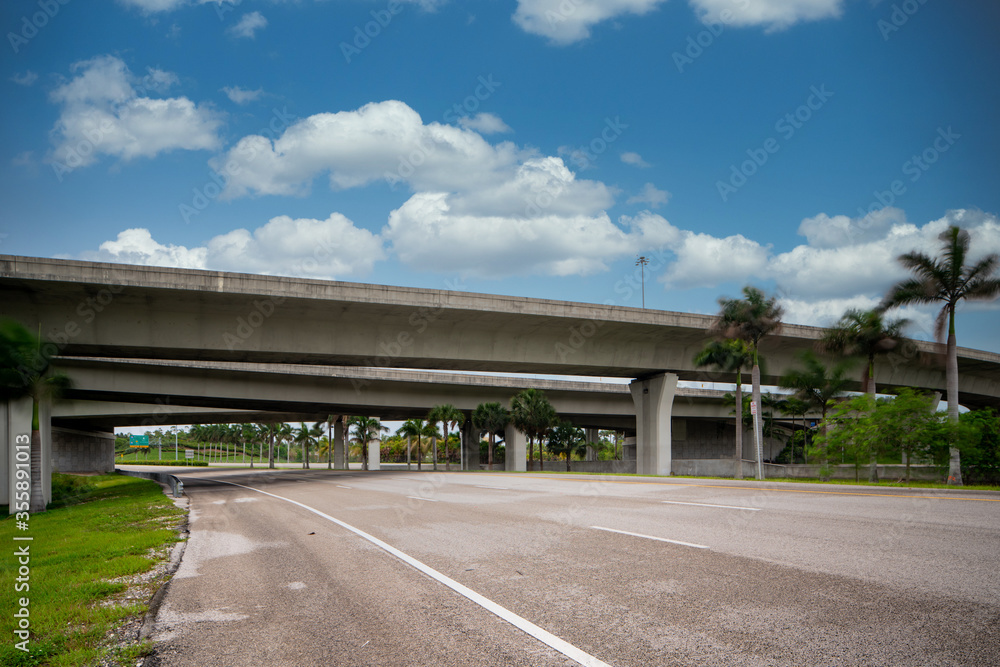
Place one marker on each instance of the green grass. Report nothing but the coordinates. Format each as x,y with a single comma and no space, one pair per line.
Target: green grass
114,527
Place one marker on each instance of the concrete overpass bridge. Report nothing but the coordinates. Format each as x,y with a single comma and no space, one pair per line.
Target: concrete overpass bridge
136,312
109,393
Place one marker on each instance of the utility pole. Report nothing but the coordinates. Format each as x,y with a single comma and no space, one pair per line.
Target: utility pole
641,262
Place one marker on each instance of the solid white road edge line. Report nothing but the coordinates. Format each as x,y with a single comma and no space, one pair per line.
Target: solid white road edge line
650,537
430,500
522,624
727,507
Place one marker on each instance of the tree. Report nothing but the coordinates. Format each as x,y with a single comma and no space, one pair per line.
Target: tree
567,439
729,356
416,428
306,436
816,384
270,432
532,414
795,407
492,418
366,430
866,334
26,371
749,319
947,280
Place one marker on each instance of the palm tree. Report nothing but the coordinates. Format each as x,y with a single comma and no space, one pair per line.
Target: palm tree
567,439
306,436
749,319
795,407
729,355
448,415
366,430
25,371
492,418
816,384
532,414
864,333
947,280
412,428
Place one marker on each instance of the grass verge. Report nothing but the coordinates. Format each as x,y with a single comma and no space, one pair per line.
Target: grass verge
92,570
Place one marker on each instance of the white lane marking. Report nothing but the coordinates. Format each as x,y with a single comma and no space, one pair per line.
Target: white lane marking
430,500
726,507
345,487
497,488
650,537
519,622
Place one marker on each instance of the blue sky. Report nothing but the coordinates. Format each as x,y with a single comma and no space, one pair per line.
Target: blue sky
527,147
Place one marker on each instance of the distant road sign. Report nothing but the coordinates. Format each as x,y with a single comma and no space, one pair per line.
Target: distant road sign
753,407
189,453
138,441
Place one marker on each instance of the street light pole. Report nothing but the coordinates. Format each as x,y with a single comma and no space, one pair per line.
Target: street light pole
641,262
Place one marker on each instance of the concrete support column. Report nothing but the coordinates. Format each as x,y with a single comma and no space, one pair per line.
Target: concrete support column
339,458
593,435
15,424
516,449
654,399
470,445
375,454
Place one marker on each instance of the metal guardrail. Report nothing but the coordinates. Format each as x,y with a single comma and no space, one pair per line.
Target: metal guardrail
176,485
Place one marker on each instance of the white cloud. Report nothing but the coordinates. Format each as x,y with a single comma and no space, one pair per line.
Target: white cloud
823,231
24,159
248,25
305,247
26,79
102,113
634,159
157,6
380,141
568,21
650,195
427,234
241,95
706,261
484,123
774,14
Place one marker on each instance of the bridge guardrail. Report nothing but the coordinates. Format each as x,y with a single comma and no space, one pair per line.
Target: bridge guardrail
175,484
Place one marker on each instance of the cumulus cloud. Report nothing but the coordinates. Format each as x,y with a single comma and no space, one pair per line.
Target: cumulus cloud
326,249
248,25
106,110
634,159
158,6
380,141
426,233
242,95
772,14
565,22
650,195
484,123
706,261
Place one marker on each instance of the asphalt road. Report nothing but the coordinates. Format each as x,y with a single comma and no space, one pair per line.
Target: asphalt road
485,568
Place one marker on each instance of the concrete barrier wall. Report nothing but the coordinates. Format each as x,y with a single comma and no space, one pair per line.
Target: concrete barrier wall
82,451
